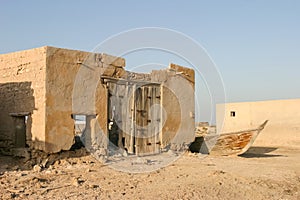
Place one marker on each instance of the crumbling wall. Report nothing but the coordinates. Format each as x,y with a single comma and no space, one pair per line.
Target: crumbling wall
73,86
62,67
57,84
22,92
179,120
158,111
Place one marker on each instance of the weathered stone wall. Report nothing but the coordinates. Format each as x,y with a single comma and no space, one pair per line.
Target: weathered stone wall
52,84
22,90
179,105
73,86
15,98
62,68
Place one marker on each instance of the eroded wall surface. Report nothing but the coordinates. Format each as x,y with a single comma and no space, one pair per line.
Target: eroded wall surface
22,92
153,110
178,104
283,128
50,85
178,101
73,86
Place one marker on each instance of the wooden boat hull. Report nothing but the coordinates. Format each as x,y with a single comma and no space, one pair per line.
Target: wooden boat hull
235,143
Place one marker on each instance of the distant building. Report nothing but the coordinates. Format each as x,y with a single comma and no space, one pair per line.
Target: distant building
283,128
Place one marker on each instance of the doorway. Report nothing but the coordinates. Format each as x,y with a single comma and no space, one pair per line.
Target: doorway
134,114
20,127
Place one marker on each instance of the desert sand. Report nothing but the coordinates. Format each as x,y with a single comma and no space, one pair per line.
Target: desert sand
261,173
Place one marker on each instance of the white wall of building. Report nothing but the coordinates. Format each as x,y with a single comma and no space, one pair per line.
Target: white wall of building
283,128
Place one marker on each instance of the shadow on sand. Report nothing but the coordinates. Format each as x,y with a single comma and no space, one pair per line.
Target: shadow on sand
260,152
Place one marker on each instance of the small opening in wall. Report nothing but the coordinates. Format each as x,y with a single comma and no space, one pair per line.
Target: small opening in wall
20,121
232,113
79,126
80,122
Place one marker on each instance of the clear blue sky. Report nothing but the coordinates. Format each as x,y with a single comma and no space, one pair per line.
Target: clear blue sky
255,44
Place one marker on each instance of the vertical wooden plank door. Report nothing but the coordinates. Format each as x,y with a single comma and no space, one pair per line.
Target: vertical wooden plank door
147,126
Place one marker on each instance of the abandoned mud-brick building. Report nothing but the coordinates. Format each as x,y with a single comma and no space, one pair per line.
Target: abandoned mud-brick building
43,89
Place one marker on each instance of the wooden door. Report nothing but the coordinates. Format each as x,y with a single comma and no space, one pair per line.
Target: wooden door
147,121
136,112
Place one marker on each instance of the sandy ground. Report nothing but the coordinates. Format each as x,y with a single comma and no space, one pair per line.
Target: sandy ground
261,173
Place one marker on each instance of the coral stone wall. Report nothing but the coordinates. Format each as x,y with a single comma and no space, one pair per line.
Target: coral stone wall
73,86
22,91
50,85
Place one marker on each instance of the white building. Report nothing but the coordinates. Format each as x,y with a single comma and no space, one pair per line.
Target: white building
283,128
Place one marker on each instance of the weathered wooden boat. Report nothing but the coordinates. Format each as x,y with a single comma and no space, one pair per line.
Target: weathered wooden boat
235,143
